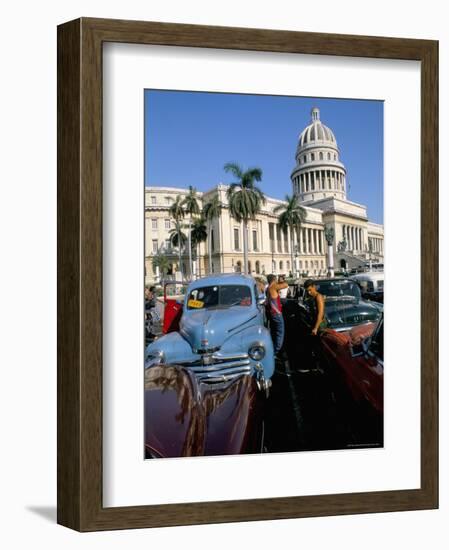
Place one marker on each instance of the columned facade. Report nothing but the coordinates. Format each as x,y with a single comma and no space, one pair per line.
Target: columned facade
319,182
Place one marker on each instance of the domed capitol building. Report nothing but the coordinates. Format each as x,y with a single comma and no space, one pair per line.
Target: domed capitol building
318,180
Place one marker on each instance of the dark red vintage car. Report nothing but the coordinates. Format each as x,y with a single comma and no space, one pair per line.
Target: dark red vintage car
355,361
187,417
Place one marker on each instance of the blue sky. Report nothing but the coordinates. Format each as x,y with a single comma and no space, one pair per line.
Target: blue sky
189,136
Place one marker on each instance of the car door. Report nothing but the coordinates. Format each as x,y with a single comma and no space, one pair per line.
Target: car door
372,371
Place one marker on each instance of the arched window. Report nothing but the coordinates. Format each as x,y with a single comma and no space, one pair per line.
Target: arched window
257,267
321,156
288,265
328,156
238,267
312,156
281,266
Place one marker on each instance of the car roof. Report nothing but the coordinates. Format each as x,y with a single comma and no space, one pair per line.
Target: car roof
369,275
331,279
223,279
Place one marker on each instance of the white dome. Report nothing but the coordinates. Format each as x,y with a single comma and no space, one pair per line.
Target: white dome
316,133
319,172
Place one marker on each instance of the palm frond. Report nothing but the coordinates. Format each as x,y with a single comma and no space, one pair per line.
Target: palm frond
234,168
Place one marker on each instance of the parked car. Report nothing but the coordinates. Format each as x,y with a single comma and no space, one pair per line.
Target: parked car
358,356
371,284
187,417
218,332
343,305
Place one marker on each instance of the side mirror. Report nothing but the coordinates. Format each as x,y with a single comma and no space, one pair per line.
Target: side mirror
359,350
261,300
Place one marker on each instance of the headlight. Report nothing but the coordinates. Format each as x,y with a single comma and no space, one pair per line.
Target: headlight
155,357
256,352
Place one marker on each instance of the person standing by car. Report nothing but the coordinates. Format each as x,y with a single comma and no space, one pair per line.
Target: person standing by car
151,314
316,304
274,311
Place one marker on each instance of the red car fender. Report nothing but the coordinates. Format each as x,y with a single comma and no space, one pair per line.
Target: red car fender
362,375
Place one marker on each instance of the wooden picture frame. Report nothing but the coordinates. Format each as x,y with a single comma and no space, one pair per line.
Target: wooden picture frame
80,504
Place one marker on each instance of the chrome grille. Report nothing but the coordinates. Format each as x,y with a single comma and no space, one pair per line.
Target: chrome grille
218,367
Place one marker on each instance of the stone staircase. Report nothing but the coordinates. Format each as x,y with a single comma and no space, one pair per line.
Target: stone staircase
352,260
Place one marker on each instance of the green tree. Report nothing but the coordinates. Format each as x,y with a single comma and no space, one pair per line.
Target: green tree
199,235
245,199
177,212
191,207
211,210
161,261
291,216
178,240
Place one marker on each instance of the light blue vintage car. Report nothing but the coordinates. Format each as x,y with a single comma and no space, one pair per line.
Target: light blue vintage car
222,332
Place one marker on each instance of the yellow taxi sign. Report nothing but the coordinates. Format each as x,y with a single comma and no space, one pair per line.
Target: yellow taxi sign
198,304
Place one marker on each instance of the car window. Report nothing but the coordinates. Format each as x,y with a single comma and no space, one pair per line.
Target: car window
338,288
219,296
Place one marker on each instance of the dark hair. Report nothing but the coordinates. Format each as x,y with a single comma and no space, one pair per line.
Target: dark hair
309,282
271,278
152,288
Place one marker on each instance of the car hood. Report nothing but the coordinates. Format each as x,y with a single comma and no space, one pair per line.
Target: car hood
186,418
210,328
350,312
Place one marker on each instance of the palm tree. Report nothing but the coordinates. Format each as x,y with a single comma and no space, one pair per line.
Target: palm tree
161,261
177,212
178,239
199,235
191,207
211,210
245,199
291,215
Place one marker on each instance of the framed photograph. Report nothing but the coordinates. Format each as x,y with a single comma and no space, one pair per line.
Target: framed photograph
247,233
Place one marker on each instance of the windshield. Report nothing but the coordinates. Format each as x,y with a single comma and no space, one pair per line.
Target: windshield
216,296
338,288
